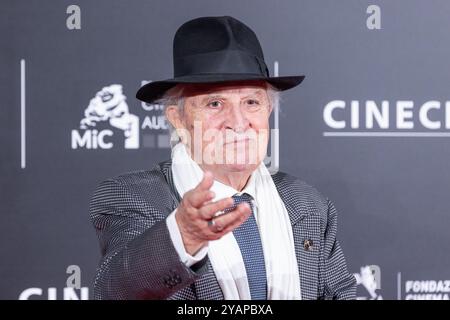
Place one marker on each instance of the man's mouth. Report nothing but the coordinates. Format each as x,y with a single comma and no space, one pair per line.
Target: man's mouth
238,140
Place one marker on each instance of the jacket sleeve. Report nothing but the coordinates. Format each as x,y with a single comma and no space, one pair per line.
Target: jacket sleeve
338,282
139,260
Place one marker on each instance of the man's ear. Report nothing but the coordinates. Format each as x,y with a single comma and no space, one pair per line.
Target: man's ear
270,109
173,116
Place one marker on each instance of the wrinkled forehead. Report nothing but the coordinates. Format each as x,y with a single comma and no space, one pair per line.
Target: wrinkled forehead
235,88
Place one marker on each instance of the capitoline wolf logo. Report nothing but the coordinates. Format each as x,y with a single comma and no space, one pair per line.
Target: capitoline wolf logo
107,106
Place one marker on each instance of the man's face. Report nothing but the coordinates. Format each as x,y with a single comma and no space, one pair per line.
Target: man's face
226,126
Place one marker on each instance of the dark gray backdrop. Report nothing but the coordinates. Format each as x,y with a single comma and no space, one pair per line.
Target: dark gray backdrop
391,192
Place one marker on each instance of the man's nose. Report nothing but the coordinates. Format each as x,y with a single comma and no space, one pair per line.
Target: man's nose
236,119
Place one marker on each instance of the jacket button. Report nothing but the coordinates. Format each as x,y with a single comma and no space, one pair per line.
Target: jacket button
308,244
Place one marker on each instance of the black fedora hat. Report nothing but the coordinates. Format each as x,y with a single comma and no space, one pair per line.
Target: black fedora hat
215,50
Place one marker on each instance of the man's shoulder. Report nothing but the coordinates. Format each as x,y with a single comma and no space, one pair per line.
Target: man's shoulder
299,191
144,184
153,176
285,180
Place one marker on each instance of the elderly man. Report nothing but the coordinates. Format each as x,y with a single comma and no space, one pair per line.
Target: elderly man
212,222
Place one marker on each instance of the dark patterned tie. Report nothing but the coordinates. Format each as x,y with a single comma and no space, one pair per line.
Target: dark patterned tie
249,241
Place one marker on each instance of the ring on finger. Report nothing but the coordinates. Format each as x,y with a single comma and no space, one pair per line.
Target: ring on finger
212,223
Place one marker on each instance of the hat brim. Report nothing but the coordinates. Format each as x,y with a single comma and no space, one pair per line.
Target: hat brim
153,91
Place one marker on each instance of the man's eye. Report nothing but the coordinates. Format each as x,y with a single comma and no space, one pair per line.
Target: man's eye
214,104
252,102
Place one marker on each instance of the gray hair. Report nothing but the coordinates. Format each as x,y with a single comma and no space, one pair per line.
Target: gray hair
175,97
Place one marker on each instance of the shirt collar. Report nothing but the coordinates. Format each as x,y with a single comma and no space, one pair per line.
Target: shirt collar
222,190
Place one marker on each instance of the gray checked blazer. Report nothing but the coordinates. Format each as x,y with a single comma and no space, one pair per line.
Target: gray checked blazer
139,260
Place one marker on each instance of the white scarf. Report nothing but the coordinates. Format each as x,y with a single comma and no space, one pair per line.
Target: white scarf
283,280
